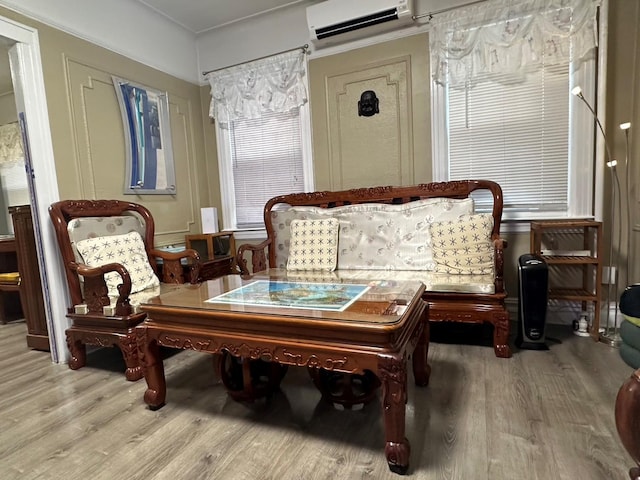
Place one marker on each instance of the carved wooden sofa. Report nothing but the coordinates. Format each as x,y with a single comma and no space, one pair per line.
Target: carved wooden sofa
107,248
392,231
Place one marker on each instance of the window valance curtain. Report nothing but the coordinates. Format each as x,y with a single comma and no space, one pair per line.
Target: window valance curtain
11,152
505,39
273,84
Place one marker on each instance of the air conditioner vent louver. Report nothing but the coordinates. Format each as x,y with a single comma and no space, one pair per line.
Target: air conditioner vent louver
362,22
335,21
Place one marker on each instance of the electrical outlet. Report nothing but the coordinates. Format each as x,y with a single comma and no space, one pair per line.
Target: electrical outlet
609,275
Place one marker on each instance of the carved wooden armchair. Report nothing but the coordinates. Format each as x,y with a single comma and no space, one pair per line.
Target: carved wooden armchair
111,266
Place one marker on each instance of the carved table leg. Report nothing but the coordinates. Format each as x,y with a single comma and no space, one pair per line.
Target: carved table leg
153,369
421,369
501,335
78,352
392,371
129,350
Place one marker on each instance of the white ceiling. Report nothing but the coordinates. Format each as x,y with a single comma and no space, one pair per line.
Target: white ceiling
202,15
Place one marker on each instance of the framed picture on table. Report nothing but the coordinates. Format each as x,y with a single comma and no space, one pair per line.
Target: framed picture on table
147,132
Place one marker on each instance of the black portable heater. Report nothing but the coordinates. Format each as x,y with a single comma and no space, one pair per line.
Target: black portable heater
533,281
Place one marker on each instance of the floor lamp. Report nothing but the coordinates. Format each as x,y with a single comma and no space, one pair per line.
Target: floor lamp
610,335
625,128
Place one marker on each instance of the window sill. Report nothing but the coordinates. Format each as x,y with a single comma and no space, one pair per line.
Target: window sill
257,234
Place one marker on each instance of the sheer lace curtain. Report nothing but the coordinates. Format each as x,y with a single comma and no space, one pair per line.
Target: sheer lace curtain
11,152
504,39
274,84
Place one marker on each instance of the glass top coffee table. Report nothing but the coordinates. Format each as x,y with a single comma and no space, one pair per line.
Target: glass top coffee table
346,323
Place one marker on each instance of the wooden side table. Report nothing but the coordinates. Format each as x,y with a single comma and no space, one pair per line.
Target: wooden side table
588,235
217,251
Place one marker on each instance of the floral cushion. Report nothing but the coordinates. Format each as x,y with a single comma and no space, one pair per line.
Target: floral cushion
376,236
128,250
314,245
463,246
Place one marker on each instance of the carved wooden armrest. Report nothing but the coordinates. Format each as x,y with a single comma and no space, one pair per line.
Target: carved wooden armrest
96,292
499,245
172,268
258,257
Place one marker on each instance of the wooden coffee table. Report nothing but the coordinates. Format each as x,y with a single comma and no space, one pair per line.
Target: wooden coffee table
302,324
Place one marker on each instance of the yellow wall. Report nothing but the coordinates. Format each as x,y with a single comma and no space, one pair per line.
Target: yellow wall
212,173
88,136
8,112
389,148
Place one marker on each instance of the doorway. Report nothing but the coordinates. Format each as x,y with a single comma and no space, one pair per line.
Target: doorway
28,86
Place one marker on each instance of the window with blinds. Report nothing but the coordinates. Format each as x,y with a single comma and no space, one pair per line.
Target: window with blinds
517,134
266,161
502,107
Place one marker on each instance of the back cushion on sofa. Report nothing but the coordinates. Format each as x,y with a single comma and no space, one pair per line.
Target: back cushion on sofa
314,245
377,236
463,246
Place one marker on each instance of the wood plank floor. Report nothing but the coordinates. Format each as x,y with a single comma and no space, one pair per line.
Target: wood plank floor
539,415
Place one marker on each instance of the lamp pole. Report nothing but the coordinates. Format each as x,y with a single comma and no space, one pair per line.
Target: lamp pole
625,128
610,336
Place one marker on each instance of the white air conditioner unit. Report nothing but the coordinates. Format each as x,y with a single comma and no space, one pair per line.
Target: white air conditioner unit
334,21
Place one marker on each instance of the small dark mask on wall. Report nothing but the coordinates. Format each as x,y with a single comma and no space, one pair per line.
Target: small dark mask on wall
368,104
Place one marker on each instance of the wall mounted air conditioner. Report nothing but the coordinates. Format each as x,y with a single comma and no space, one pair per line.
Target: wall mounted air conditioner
334,21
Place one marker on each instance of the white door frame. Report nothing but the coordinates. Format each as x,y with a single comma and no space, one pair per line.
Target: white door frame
28,80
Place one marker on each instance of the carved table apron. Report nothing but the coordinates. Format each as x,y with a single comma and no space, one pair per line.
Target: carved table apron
377,331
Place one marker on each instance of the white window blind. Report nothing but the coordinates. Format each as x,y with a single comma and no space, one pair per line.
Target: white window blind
267,160
516,134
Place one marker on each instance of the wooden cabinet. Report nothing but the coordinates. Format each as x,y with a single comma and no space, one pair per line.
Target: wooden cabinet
212,245
217,252
572,245
30,284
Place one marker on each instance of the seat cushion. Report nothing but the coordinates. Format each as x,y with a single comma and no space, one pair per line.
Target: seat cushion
128,250
433,282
